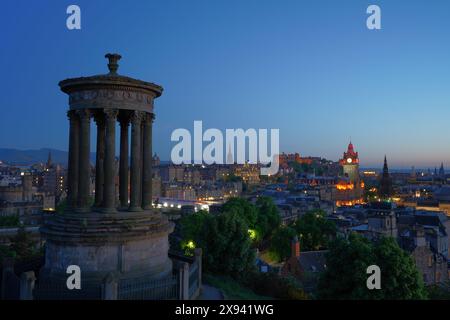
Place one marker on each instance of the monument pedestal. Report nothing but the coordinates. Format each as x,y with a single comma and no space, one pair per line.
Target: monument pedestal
129,245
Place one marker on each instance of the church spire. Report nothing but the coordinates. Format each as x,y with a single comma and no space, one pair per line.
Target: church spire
385,166
441,170
49,159
230,157
385,189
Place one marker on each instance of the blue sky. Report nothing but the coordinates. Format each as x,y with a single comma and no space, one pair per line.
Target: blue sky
310,68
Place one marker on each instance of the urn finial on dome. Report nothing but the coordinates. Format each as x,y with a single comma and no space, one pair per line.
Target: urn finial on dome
113,58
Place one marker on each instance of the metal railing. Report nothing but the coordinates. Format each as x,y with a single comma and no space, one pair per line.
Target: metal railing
162,289
59,291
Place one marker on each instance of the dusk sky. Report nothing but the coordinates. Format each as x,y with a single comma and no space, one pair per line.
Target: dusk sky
310,68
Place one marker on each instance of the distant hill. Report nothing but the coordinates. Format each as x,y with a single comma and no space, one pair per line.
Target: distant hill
28,157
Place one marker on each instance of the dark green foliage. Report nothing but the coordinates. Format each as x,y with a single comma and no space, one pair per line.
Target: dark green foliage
280,244
191,231
347,262
10,221
6,252
224,239
243,209
227,245
231,288
192,225
399,276
439,292
314,230
22,244
271,284
61,207
345,277
268,218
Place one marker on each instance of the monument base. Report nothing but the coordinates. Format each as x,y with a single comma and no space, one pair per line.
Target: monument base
124,245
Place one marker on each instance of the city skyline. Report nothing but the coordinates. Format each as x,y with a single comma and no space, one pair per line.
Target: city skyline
229,153
329,77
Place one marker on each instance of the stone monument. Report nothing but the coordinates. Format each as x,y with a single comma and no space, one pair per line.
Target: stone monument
106,237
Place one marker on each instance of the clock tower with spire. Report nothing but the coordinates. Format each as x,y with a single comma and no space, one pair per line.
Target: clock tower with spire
350,188
350,164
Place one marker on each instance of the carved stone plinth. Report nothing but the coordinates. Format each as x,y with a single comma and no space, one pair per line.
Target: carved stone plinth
128,244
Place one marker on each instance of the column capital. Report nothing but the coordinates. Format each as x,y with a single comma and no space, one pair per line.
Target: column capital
72,115
110,114
149,118
84,114
137,117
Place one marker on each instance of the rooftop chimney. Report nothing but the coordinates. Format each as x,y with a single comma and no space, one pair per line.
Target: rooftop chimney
295,247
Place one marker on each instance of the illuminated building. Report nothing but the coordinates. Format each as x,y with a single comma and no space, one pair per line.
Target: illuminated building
53,178
350,164
248,172
350,188
369,174
285,159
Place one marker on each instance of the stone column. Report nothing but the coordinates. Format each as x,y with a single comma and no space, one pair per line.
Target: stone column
99,160
142,159
198,253
74,146
84,169
135,177
184,275
109,193
110,287
7,271
147,163
123,164
27,282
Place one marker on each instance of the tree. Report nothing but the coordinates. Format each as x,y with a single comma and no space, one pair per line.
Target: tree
399,276
280,244
5,252
314,230
243,208
439,291
347,262
10,221
226,244
61,206
273,285
191,230
268,218
224,238
22,244
191,225
345,276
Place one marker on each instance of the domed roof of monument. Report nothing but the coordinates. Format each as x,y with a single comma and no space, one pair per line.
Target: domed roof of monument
110,80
